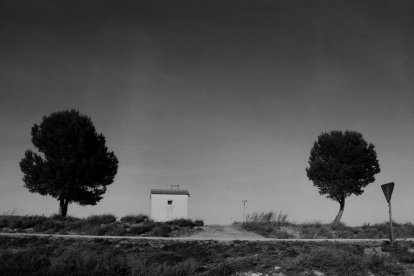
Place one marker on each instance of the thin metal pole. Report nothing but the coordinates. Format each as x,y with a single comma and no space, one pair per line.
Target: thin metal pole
391,233
244,210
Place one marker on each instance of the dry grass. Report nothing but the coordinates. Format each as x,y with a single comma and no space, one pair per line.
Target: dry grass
101,225
278,226
54,256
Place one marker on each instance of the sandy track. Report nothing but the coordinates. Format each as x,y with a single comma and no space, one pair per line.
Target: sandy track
191,238
227,232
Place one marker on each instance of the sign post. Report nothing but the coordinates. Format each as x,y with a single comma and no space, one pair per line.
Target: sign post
388,189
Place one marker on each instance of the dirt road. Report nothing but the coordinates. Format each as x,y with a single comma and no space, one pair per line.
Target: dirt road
226,232
209,232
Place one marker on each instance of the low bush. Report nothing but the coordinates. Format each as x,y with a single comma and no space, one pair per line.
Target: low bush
401,252
160,230
142,228
187,267
181,223
384,267
113,229
21,222
67,218
133,219
101,219
24,264
267,224
332,261
49,225
269,217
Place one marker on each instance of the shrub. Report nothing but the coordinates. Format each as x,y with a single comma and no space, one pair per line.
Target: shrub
101,219
267,224
142,228
381,266
23,264
199,222
113,229
181,223
187,267
27,221
5,221
14,222
160,230
331,260
133,219
74,261
269,217
49,225
67,218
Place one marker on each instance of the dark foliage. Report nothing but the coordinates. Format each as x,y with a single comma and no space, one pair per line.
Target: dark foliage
342,164
73,163
185,223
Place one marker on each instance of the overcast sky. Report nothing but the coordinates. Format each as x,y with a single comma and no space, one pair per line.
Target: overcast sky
224,98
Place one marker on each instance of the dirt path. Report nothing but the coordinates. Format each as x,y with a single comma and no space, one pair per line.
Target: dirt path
210,232
226,232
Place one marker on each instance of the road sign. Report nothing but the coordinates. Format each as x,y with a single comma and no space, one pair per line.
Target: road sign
387,189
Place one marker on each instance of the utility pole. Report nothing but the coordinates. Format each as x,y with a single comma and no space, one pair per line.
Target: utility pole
244,209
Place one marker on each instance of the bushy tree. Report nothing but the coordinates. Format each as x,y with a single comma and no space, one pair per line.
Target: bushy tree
72,164
342,164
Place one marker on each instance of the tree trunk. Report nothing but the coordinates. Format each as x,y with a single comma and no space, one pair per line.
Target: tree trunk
341,211
63,207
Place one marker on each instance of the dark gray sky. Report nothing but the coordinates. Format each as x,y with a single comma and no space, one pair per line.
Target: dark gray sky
224,98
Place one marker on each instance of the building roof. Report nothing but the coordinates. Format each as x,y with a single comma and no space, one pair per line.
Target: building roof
169,192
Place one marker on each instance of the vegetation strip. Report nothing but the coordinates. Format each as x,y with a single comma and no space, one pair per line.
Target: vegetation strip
98,225
200,239
271,225
29,255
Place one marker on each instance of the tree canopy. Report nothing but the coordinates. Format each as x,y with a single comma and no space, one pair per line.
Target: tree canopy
72,164
342,164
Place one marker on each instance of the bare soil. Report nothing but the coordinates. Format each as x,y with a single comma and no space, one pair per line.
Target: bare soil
225,232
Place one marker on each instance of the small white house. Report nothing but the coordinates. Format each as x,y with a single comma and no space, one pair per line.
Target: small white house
169,204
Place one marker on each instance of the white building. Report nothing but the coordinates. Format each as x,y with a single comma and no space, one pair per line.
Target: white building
169,204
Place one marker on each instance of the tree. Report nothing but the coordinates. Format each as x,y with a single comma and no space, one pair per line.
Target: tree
342,164
73,163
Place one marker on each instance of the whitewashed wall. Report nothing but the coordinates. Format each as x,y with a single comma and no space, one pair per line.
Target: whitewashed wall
161,211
